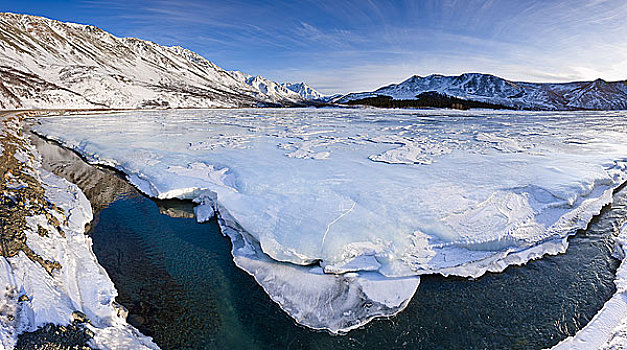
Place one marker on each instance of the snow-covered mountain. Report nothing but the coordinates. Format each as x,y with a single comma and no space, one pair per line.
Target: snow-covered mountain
307,92
50,64
277,92
598,94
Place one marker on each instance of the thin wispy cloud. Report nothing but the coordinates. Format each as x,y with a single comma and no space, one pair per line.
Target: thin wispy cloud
342,46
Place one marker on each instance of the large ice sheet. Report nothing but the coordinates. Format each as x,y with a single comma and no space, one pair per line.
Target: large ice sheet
399,193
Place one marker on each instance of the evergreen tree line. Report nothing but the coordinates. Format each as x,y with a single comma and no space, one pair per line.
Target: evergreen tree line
426,99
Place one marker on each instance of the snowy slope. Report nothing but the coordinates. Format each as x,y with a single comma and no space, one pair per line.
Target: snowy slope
46,63
597,94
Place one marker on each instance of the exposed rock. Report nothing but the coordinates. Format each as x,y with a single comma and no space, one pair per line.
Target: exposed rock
54,337
79,317
21,195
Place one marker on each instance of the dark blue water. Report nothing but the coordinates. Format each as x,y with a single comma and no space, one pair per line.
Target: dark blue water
179,282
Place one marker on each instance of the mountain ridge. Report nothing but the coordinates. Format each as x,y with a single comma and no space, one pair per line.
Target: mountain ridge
271,88
487,88
307,92
45,63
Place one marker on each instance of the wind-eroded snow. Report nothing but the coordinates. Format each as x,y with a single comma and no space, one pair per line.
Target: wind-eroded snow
368,198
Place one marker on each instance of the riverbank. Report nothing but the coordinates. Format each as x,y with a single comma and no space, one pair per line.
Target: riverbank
54,288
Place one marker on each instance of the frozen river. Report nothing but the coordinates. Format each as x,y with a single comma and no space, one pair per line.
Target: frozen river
337,213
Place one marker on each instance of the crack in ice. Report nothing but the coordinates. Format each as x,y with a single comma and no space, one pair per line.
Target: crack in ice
324,236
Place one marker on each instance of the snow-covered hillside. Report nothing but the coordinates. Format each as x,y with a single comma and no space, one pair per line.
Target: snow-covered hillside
49,64
598,94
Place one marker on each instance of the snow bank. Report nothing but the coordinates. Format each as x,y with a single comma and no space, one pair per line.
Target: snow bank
361,193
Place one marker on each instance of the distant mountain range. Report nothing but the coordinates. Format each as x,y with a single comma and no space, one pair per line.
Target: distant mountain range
50,64
308,93
486,88
284,93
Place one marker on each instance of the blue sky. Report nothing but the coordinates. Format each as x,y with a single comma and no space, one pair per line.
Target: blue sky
345,46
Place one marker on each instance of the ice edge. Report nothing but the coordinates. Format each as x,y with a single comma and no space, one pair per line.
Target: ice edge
608,328
551,246
326,292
